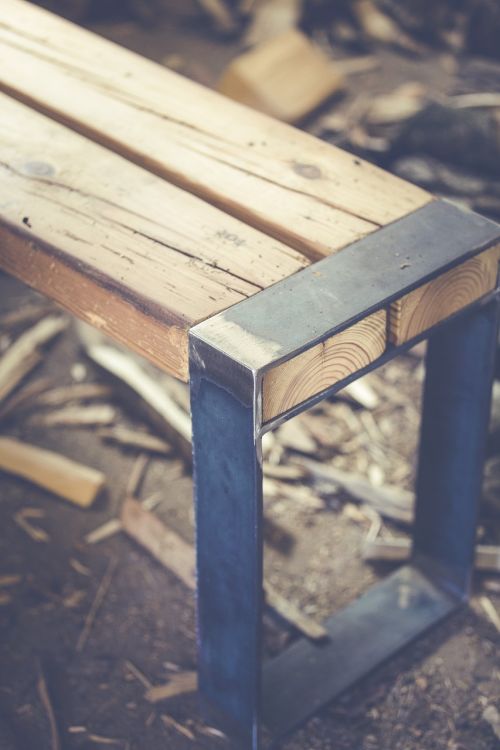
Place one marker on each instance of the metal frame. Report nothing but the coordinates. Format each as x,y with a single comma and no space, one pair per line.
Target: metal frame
228,357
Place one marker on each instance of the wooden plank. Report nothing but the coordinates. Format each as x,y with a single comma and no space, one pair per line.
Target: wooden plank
320,367
72,481
435,301
286,77
119,247
293,186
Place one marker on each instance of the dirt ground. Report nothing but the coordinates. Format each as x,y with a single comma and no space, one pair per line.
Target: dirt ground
432,697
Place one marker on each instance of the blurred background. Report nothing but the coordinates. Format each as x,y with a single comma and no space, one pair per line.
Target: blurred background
90,623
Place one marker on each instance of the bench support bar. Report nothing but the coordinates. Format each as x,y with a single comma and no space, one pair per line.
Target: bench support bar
227,429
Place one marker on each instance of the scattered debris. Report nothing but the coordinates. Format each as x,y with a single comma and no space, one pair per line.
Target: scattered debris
294,435
22,519
137,475
271,18
287,77
490,611
397,549
101,592
492,716
379,27
167,415
221,16
68,479
179,683
79,567
25,353
401,104
65,394
164,544
23,396
293,615
291,472
44,695
84,416
390,502
140,676
173,724
361,392
135,439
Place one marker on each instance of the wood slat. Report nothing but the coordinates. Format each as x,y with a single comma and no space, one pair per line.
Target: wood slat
121,248
287,183
435,301
320,367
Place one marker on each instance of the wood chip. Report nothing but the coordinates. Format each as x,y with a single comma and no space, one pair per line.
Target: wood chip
137,475
174,423
179,683
75,392
140,676
22,397
397,549
72,481
294,435
107,529
390,502
220,14
84,416
401,104
270,18
293,615
361,392
135,439
22,517
96,604
25,352
163,543
43,692
289,472
490,611
173,724
178,556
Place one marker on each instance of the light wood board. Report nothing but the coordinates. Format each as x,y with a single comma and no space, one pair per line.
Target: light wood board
315,197
435,301
119,247
320,367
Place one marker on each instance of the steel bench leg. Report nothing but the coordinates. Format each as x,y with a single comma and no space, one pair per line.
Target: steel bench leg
228,486
457,394
228,497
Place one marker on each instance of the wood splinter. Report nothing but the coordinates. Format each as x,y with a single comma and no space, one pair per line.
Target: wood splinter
68,479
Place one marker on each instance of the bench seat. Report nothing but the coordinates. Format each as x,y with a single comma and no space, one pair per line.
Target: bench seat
146,203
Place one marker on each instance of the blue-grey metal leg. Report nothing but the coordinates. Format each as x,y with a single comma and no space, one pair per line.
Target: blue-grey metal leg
228,497
460,364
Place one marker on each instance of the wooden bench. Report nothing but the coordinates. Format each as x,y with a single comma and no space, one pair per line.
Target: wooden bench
269,269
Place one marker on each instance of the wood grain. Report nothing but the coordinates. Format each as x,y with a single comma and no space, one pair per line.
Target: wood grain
320,367
285,182
435,301
117,246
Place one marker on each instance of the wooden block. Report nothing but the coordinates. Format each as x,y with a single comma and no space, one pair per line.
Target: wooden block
435,301
287,77
70,480
320,367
